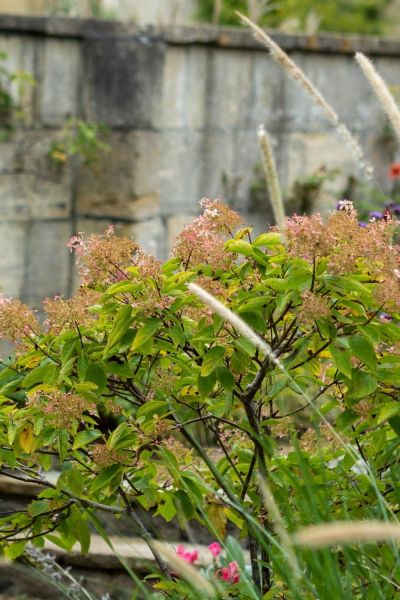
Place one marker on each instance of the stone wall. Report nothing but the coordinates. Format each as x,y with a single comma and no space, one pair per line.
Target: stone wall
182,106
141,12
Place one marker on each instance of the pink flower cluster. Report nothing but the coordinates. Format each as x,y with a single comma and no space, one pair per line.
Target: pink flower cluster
189,556
229,574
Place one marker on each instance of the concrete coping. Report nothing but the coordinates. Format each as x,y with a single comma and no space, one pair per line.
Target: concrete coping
224,37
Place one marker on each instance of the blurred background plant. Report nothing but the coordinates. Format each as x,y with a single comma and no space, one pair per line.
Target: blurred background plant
79,138
13,88
358,16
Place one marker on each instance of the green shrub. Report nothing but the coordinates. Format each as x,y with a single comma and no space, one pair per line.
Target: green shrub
316,417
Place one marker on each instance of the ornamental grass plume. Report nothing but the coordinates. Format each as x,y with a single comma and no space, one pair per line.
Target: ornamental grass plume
381,90
346,532
298,75
271,177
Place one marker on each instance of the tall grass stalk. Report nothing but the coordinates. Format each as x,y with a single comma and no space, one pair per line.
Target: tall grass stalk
298,75
271,176
381,90
280,527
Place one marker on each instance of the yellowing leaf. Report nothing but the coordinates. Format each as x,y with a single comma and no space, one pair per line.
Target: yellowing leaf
27,440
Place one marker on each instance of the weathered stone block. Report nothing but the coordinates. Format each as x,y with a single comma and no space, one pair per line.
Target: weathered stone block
48,261
152,237
184,179
184,87
31,186
342,83
180,171
124,182
265,95
247,176
12,258
123,80
60,81
227,89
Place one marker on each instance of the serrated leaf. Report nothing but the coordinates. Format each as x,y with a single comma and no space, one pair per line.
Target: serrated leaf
388,410
211,360
121,325
102,481
63,442
38,507
225,377
27,440
39,374
15,550
341,359
363,350
145,333
85,437
362,384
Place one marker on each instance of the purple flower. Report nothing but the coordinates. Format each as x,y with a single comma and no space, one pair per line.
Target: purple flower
362,224
385,318
375,214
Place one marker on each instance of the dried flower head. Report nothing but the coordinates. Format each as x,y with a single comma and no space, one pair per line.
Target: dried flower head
202,242
72,313
17,320
104,258
313,307
61,409
104,456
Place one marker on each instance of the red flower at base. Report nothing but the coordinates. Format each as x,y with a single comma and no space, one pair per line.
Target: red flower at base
394,171
215,549
187,555
230,574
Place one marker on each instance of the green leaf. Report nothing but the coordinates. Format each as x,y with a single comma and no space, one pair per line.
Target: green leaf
66,370
154,407
388,410
15,550
71,480
85,437
341,359
38,507
145,333
267,239
206,384
103,481
121,325
394,423
96,374
225,377
63,443
40,374
167,509
362,384
254,319
211,360
121,437
239,247
363,350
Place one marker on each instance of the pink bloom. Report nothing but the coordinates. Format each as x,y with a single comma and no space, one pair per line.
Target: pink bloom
230,574
215,549
187,555
394,171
